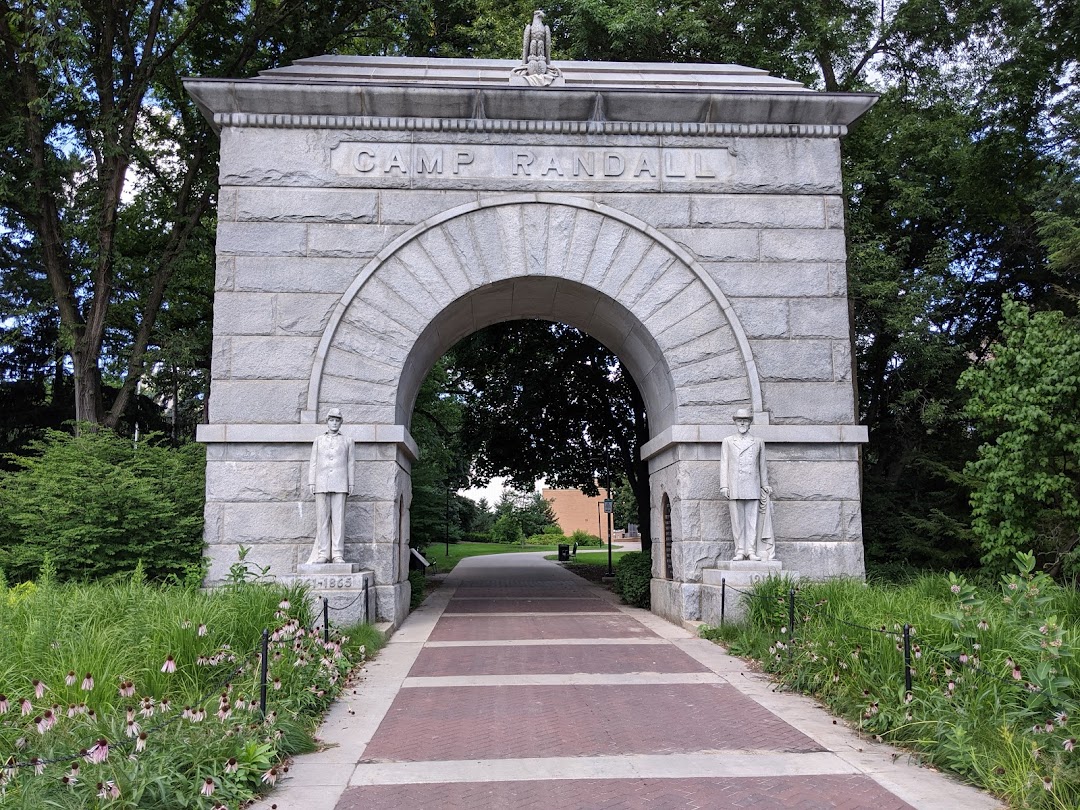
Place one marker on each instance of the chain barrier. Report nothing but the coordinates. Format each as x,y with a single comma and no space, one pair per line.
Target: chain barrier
902,636
261,654
327,608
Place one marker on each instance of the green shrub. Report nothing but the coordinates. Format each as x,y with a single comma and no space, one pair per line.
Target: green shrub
98,503
585,540
546,540
995,670
633,573
418,583
477,537
506,530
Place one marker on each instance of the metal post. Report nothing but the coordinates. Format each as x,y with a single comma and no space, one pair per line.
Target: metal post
325,619
723,598
262,671
600,521
791,620
367,617
609,507
610,570
907,657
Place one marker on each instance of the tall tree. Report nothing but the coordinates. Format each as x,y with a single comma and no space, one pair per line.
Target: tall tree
110,171
954,186
1025,398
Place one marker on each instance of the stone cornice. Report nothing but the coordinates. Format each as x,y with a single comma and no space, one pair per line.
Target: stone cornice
487,125
267,102
776,434
305,434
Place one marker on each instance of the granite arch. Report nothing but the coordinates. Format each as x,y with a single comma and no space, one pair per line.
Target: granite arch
534,256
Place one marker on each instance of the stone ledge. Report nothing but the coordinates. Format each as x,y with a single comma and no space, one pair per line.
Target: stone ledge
740,569
779,434
326,569
305,433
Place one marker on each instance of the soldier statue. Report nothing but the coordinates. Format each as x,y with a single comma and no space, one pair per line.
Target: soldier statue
744,482
330,479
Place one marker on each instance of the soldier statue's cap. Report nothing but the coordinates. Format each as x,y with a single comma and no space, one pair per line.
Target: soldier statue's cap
334,413
744,413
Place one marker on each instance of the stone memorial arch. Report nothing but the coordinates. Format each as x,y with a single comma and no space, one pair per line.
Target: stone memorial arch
374,211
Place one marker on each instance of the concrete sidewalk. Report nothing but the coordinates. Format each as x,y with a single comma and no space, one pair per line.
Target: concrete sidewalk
518,684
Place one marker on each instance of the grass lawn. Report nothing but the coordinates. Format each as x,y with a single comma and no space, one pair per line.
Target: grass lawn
436,552
592,557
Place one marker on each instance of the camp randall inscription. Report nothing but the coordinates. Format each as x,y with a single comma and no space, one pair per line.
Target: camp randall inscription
375,210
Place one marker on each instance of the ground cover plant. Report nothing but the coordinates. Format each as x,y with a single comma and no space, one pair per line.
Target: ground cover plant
132,695
994,673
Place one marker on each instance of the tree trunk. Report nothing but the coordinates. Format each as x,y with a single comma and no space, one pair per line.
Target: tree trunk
87,378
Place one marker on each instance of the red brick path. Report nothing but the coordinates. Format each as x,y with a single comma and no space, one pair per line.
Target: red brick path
436,723
508,722
495,628
545,605
760,793
553,659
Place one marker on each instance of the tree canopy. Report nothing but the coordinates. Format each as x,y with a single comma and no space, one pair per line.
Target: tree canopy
961,189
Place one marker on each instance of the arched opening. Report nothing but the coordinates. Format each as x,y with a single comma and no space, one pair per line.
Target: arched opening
523,400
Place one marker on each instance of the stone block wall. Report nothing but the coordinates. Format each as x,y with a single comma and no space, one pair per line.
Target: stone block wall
297,234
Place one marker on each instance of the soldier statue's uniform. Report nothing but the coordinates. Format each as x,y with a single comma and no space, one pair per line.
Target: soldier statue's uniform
744,481
330,478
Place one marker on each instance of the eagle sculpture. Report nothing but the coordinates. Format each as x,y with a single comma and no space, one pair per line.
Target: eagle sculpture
536,47
536,68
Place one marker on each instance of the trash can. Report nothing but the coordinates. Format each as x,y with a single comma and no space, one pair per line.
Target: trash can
564,552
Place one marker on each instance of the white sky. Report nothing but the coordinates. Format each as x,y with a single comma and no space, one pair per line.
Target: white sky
492,491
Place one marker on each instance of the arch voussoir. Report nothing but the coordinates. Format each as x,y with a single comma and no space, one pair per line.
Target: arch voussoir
562,259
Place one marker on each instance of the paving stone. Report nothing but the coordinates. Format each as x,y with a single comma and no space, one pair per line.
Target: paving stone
490,722
543,605
490,628
553,659
824,792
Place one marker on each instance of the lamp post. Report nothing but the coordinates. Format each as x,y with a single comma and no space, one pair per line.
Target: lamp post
609,507
600,521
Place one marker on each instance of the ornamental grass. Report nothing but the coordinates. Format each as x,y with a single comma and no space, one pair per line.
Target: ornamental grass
132,695
995,680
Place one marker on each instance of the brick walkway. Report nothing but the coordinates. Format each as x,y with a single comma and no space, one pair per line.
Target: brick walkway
519,686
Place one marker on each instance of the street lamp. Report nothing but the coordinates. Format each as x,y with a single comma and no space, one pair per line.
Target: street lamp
609,507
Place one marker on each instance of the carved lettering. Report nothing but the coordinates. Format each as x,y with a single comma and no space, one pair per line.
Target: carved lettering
364,161
644,166
430,164
585,163
613,164
522,162
464,157
670,169
395,163
699,167
552,166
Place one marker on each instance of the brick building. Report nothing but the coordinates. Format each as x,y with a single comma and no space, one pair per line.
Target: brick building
574,510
